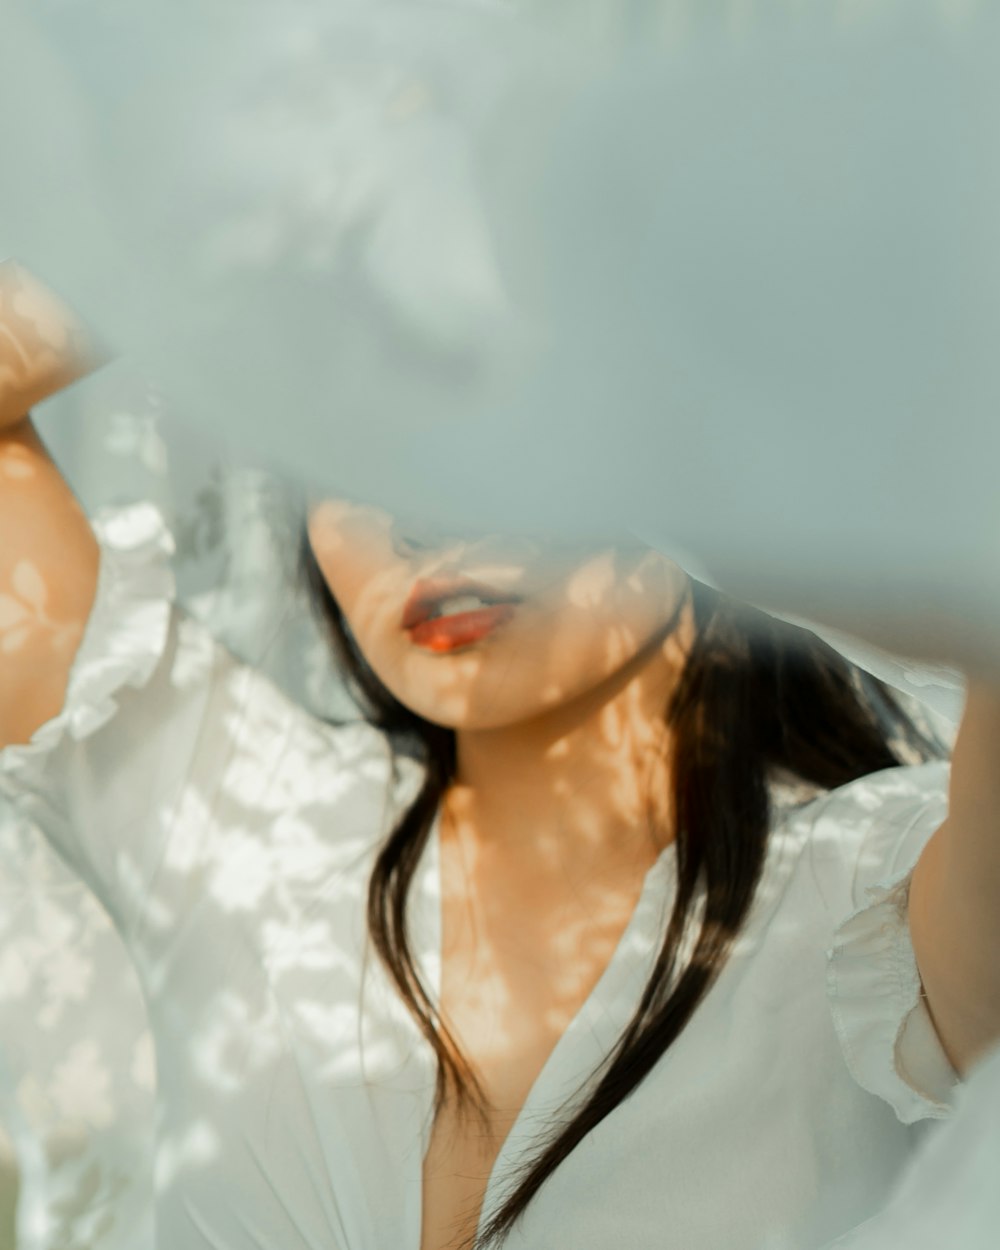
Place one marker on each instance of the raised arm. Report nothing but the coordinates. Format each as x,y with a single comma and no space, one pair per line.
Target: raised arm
48,554
955,896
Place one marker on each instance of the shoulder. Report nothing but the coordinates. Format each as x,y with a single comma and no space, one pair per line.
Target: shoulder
155,701
282,751
888,1040
164,663
848,855
871,831
826,851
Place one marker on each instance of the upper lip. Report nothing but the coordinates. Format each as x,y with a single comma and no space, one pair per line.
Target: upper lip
428,594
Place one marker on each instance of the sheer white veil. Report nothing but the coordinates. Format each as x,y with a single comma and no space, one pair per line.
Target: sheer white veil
474,260
506,376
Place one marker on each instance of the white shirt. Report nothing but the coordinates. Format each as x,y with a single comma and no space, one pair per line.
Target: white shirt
230,835
948,1196
76,1058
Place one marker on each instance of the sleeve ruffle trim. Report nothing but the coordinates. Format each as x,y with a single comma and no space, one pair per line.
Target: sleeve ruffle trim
885,1030
125,635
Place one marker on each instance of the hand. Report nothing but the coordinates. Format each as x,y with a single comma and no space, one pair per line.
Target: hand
43,346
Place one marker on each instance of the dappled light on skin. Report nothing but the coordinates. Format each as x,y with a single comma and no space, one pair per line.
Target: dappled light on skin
527,933
26,628
560,807
47,581
530,924
525,940
581,616
16,464
586,588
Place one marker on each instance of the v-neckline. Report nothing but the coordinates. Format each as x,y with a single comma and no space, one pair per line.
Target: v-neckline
604,1013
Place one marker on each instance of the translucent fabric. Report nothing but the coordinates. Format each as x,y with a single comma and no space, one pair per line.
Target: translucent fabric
686,270
484,343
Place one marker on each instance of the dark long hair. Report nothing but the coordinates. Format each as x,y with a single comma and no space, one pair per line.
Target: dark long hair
757,700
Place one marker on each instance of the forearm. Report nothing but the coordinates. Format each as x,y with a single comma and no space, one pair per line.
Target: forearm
955,896
48,555
49,562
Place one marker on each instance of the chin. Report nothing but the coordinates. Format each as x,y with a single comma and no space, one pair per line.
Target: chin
498,697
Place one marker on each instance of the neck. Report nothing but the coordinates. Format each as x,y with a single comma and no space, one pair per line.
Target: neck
588,782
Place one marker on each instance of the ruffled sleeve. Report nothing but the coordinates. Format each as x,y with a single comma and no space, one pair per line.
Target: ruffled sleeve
879,1011
124,639
91,774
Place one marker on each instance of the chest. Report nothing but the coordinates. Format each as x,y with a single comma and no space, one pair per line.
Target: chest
755,1105
511,987
754,1102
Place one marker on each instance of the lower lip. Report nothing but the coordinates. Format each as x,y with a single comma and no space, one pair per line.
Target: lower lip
465,629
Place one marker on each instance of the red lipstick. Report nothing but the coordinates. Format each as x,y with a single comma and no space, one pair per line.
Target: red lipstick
445,615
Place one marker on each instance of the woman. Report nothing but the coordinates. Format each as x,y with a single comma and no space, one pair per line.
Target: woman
600,830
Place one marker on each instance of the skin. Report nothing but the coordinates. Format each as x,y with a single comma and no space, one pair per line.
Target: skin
49,557
562,708
561,717
560,806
